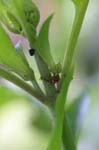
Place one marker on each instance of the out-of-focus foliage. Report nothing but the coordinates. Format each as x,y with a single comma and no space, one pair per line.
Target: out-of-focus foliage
76,112
7,95
87,58
43,125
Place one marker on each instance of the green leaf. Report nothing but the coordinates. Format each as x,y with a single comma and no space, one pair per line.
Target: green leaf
10,58
56,139
42,44
75,113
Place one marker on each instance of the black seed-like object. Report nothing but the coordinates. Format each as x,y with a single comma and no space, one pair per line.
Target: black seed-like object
31,51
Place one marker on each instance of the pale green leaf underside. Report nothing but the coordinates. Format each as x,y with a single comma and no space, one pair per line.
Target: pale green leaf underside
10,58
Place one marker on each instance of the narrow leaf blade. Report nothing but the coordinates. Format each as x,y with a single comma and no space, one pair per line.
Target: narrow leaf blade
43,46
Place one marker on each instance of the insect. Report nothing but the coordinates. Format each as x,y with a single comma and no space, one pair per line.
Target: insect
55,78
31,51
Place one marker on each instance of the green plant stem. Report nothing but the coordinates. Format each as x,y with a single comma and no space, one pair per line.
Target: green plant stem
56,139
68,139
20,83
79,17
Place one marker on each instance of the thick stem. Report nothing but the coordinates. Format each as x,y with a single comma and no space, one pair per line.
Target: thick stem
56,139
68,139
79,17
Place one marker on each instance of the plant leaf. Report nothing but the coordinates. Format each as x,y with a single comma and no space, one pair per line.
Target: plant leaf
75,113
10,58
42,44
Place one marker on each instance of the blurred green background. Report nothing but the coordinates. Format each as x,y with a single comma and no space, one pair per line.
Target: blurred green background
24,126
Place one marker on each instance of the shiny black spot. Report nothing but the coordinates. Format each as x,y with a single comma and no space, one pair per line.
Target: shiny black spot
31,51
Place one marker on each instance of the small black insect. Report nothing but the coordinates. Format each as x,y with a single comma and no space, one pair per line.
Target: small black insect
31,51
55,78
